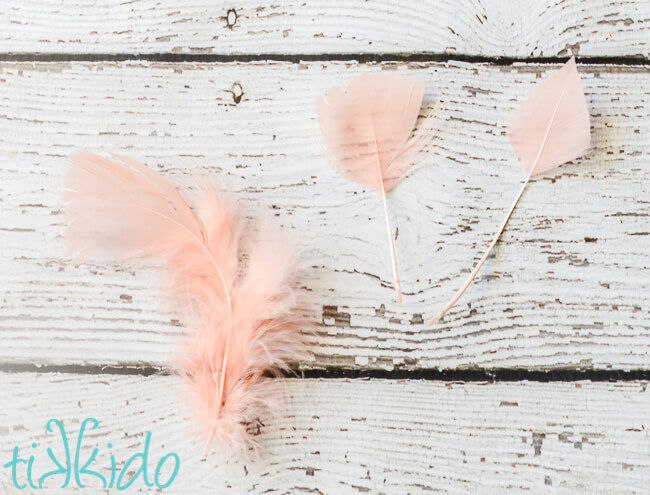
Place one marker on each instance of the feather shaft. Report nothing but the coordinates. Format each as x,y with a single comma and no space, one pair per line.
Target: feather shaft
478,266
389,230
222,379
391,244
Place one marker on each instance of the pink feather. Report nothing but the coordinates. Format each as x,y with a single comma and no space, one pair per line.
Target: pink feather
549,129
366,125
237,291
552,123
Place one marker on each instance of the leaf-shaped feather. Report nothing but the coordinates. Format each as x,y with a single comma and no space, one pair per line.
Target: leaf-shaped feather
245,320
552,123
366,124
550,128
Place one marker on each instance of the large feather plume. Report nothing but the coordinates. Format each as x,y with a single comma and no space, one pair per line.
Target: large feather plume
237,291
549,129
366,124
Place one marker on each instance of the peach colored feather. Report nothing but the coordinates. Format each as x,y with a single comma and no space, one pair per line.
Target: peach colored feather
366,125
237,291
549,129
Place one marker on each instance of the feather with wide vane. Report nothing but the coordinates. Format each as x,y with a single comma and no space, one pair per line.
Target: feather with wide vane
237,291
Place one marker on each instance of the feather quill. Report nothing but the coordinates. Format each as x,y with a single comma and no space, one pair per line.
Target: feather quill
549,129
236,290
366,124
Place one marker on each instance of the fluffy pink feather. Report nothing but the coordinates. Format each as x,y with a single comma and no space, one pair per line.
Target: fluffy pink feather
237,291
549,129
366,124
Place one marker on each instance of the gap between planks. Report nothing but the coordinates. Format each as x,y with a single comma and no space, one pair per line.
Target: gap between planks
317,57
441,375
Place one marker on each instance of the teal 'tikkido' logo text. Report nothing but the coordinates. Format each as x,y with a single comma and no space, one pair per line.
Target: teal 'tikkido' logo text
80,471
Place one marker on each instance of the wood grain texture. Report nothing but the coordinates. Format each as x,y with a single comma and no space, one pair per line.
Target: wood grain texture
568,284
348,437
489,28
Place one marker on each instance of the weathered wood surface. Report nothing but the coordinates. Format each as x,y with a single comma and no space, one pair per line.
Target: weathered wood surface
338,436
568,285
456,27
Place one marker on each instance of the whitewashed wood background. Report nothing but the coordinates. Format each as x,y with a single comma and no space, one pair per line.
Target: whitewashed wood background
231,87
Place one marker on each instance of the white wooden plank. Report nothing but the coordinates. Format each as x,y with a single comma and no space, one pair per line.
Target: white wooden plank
568,285
466,27
349,437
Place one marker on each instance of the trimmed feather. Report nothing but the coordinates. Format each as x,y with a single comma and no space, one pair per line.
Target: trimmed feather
549,129
238,292
366,124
